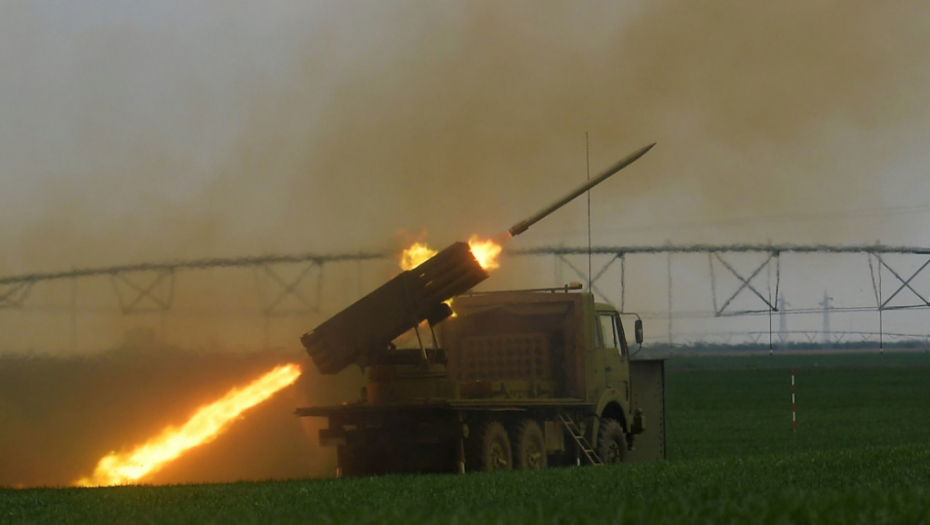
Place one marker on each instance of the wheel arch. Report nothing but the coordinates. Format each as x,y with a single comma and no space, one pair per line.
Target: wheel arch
613,410
610,406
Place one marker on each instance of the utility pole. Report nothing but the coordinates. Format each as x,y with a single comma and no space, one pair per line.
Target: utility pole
826,319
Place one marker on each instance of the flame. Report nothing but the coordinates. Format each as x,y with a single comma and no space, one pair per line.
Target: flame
204,426
415,255
485,252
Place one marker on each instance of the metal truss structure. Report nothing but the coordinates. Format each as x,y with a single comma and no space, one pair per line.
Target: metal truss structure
272,304
717,258
156,294
150,287
13,295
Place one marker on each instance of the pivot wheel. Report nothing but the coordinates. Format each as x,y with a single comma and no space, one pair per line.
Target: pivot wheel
529,446
492,448
611,442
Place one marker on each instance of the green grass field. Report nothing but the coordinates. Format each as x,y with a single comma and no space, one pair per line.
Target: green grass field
861,455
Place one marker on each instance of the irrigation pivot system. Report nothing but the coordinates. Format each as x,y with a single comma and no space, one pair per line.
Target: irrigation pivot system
150,287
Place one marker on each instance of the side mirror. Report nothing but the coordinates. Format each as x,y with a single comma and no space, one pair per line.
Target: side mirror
638,329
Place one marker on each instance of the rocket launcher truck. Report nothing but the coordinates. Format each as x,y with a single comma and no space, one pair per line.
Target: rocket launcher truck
516,379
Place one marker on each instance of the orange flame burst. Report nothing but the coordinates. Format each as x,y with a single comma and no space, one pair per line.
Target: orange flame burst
485,252
204,426
415,255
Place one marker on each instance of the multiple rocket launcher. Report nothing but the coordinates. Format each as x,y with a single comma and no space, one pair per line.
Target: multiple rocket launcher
362,332
359,334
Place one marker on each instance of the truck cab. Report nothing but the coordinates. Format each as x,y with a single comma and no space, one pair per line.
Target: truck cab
609,372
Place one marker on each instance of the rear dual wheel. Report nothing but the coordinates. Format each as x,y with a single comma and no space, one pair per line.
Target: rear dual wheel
529,446
494,450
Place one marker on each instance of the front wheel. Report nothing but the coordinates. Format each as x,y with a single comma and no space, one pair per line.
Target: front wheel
611,442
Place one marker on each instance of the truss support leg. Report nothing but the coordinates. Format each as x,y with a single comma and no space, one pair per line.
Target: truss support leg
669,270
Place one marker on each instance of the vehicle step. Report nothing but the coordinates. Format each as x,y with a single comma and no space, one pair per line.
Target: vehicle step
580,440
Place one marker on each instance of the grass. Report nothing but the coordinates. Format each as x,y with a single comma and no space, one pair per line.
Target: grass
739,406
861,455
880,485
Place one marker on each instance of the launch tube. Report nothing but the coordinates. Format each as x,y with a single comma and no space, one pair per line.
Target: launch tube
522,226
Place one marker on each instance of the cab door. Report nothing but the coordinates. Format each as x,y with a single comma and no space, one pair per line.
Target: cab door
615,352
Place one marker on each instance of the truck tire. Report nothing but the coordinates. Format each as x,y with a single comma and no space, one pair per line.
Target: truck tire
529,446
611,442
492,448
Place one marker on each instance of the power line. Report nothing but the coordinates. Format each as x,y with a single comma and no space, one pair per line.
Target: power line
772,219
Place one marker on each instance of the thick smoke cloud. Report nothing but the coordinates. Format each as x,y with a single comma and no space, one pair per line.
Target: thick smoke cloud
213,130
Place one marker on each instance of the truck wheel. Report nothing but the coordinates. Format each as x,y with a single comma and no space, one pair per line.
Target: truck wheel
529,446
611,442
492,448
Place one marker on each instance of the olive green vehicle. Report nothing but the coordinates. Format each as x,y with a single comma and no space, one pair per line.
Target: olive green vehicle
522,379
516,379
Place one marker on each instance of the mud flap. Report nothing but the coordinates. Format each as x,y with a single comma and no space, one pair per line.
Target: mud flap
647,377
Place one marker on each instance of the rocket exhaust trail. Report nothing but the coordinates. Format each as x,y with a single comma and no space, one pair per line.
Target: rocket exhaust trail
208,422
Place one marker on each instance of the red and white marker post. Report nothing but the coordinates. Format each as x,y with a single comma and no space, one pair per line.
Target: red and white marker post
794,416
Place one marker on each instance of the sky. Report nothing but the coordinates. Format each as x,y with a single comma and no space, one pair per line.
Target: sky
138,131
